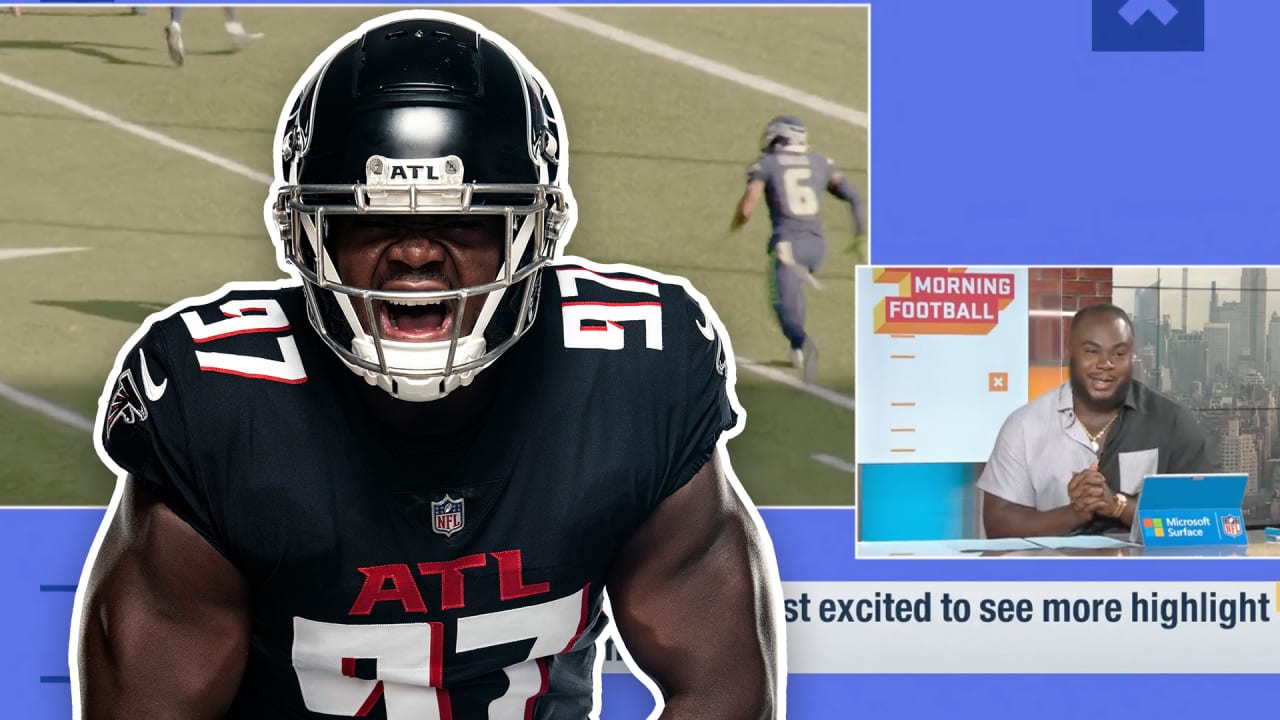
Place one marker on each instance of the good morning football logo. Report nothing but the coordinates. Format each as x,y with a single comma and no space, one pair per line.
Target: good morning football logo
941,301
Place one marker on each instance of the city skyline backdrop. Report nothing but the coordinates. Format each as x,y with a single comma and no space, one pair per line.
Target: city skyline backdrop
1127,280
1224,363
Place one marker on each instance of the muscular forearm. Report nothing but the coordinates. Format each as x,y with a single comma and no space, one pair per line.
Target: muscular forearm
726,669
169,668
165,622
698,608
1016,521
734,704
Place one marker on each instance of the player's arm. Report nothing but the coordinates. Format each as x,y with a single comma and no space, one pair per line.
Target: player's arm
840,187
692,600
1009,498
1188,454
1003,518
165,623
747,205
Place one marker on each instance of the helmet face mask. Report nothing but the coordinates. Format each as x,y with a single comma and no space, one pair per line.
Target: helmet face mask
415,116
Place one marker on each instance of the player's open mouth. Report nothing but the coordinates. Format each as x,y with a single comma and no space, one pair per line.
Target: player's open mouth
416,321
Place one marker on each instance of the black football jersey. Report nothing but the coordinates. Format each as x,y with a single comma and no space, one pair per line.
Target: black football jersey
401,575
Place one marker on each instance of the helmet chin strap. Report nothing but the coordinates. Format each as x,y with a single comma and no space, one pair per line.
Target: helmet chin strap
418,389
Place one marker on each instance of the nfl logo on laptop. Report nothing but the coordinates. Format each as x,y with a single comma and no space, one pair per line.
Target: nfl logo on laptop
1231,526
447,516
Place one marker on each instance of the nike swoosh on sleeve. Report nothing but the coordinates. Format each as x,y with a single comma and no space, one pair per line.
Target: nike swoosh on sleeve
154,391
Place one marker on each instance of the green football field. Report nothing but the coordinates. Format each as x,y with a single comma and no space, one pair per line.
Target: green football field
98,131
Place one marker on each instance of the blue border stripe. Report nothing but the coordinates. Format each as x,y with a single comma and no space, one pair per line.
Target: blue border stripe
58,588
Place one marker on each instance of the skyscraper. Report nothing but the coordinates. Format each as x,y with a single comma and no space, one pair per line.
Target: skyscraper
1146,318
1188,356
1238,453
1253,316
1217,336
1229,314
1273,349
1185,289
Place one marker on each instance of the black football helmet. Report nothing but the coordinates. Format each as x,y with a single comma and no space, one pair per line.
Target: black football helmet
422,112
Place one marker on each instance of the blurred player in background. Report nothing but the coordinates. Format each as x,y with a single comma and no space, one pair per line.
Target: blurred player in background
400,484
173,33
792,180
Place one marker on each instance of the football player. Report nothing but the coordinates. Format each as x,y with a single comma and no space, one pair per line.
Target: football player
792,179
400,484
173,32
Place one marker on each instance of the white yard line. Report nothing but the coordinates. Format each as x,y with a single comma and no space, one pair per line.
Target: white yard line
835,462
697,62
25,399
93,113
46,408
16,253
779,376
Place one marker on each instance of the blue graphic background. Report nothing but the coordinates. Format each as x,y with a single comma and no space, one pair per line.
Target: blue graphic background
41,553
1000,138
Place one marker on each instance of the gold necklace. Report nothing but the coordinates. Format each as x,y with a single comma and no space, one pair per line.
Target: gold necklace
1094,438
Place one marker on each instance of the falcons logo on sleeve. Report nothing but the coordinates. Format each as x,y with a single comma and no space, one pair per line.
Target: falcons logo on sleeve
125,404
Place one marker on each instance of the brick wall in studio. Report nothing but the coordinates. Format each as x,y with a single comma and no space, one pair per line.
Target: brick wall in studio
1054,295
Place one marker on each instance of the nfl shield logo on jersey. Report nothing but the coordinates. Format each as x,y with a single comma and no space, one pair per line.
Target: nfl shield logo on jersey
1231,526
447,516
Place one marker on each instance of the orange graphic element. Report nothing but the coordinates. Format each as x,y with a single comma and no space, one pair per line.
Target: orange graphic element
1043,378
998,382
941,301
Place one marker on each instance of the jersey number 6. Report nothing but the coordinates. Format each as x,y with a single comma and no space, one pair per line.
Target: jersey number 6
802,201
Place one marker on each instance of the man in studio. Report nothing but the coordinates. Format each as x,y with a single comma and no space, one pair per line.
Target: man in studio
1073,460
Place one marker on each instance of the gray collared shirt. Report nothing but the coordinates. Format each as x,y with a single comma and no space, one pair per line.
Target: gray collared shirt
1042,444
